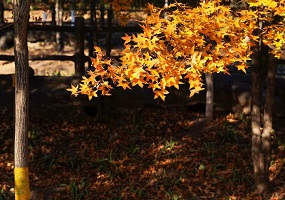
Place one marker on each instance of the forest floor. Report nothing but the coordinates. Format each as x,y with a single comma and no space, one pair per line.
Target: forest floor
149,153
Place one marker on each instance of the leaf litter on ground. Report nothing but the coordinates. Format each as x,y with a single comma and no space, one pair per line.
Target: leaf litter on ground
156,153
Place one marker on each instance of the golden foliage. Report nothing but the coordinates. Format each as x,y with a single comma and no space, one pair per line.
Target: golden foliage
182,43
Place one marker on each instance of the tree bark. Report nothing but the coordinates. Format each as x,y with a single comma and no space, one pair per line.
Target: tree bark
21,9
258,158
209,96
262,126
267,119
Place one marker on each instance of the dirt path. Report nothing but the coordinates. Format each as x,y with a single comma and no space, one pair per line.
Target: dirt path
42,67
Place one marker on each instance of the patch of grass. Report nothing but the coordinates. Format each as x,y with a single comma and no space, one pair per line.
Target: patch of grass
216,168
132,148
2,195
49,161
180,178
78,190
138,192
32,134
245,119
229,133
201,166
169,144
173,196
107,165
31,150
210,149
239,177
74,163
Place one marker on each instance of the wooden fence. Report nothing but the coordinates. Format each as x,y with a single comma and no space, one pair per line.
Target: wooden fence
79,28
78,58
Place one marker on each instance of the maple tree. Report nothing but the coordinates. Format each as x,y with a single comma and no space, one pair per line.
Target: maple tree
189,42
174,48
267,49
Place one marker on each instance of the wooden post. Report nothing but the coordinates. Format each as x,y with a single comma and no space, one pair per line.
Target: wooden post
91,34
102,14
53,14
93,31
79,47
96,22
2,9
109,35
59,13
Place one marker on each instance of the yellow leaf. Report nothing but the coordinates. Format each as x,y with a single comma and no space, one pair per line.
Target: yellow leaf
97,49
92,94
137,72
73,90
242,67
154,86
138,81
127,39
127,58
124,85
195,91
160,93
150,7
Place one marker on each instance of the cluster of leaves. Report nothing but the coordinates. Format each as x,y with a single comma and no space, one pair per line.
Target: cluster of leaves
271,12
174,47
180,43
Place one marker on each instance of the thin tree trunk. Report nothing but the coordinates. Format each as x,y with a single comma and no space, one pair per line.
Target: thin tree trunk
21,9
209,96
267,119
257,153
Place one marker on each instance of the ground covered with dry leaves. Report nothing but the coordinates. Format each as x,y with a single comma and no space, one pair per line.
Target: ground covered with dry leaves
151,153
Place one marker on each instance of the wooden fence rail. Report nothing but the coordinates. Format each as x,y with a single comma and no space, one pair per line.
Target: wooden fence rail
79,28
79,58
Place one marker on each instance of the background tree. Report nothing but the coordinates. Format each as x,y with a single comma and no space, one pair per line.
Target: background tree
59,12
209,96
21,10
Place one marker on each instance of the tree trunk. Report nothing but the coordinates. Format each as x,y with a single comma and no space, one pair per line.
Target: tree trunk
267,119
262,127
209,96
258,158
21,10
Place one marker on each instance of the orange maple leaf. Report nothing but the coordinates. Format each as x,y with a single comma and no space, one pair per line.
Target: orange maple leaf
127,39
160,93
73,90
124,85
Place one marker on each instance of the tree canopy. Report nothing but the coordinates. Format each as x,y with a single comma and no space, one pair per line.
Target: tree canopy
180,43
